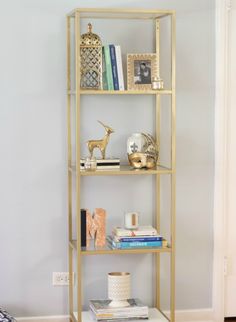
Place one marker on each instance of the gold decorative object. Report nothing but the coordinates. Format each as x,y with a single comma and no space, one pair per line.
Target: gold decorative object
142,151
157,83
96,227
141,68
100,144
91,60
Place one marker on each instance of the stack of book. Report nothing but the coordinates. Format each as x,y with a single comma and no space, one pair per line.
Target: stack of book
101,311
104,164
112,74
143,237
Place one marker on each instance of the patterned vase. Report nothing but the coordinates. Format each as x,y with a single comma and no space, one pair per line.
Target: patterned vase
136,143
119,288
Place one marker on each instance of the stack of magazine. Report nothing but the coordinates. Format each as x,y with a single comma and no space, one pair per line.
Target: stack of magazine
143,237
101,311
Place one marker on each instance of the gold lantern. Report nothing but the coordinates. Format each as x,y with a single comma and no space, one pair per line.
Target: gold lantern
91,60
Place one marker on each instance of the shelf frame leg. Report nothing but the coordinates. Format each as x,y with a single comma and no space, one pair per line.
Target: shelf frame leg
158,178
70,250
173,162
78,207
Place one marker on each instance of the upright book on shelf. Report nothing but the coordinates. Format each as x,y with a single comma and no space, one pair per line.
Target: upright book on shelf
119,68
83,227
114,67
109,76
104,71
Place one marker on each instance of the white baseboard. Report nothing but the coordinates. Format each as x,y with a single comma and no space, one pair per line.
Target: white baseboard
200,315
50,318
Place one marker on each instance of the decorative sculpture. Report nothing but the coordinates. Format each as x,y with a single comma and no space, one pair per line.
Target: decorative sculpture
100,144
142,151
91,60
96,227
119,289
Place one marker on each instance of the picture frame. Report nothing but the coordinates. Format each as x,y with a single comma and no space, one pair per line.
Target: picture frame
141,68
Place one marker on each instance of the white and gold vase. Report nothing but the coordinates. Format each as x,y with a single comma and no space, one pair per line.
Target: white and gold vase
119,288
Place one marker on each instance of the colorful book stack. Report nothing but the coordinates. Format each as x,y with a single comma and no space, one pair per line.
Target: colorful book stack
143,237
101,311
112,75
104,164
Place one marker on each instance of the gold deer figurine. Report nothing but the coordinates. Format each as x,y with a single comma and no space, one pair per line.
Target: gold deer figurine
100,144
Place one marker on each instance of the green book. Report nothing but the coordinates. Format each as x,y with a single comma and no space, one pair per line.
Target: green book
104,71
108,68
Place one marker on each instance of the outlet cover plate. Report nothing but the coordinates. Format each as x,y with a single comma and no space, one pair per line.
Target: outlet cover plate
61,278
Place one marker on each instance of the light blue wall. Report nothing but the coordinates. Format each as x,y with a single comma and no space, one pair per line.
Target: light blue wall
33,207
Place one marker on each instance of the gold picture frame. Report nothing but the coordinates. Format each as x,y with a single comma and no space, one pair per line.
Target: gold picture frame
141,68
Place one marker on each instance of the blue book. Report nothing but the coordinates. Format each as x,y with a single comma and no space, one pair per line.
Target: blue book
140,239
137,245
114,67
128,245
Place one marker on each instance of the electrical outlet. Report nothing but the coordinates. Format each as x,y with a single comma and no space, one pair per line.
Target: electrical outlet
61,278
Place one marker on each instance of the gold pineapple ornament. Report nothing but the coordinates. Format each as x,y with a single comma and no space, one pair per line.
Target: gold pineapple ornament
91,60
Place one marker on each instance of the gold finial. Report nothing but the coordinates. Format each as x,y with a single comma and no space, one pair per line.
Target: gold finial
89,27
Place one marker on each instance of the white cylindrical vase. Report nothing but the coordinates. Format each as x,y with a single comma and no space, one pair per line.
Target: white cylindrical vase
119,288
136,143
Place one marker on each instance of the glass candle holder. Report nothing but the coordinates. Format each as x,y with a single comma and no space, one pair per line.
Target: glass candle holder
131,220
157,83
90,164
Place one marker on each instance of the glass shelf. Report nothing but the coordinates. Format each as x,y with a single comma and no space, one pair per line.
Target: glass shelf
107,250
125,92
124,170
111,13
154,316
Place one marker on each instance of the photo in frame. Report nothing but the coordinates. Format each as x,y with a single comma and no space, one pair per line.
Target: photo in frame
141,68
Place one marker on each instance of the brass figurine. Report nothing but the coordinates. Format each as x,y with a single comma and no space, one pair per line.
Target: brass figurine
100,144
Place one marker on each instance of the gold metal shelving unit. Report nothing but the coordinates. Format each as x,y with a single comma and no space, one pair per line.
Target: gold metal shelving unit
123,170
126,92
74,19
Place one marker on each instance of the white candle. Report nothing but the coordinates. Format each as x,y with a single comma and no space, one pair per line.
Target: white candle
131,220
